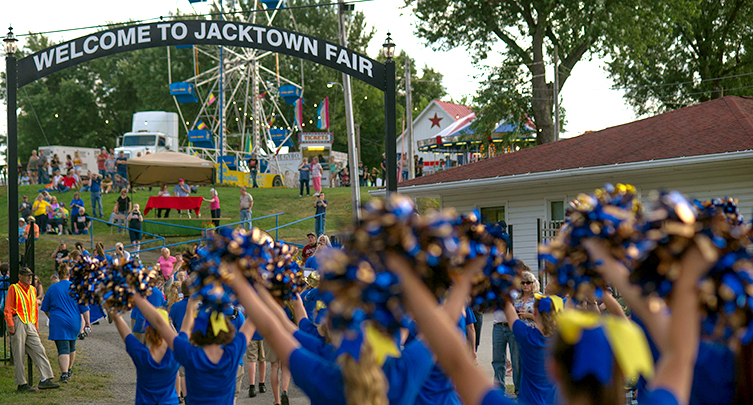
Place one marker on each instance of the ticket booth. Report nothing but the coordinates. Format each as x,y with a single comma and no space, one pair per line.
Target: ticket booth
317,144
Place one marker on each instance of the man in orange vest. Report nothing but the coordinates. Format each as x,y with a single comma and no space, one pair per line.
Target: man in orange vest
21,315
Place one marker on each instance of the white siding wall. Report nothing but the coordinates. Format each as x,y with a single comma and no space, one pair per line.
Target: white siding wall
526,203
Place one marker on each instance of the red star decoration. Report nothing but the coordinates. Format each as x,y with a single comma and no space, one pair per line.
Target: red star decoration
435,121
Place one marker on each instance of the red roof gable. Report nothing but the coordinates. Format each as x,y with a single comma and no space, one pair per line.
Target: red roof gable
717,126
457,111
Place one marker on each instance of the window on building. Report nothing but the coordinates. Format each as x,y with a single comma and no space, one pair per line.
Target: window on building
557,210
493,214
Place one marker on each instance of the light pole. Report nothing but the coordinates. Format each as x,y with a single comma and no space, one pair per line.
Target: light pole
355,190
12,152
390,140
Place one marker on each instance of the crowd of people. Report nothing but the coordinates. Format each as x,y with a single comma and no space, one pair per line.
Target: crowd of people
180,356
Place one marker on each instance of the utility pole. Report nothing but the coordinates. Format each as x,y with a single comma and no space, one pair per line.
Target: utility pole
353,153
409,118
556,96
358,141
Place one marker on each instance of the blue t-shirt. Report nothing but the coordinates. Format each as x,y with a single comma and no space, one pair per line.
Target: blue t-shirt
155,382
535,386
311,263
713,373
65,313
322,379
315,344
79,202
207,382
157,299
108,259
437,389
304,174
237,323
310,328
310,297
177,312
95,185
496,396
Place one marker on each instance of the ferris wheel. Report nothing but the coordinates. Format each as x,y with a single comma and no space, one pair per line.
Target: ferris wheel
242,101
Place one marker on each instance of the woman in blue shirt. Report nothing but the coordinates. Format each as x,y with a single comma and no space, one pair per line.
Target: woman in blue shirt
536,388
671,383
156,367
64,314
345,380
212,364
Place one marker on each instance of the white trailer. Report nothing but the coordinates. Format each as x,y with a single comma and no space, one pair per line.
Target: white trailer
88,156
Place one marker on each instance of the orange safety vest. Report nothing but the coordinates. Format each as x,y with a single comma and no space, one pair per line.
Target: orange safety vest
26,304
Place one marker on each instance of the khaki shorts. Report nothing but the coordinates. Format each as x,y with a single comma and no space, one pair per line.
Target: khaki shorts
271,355
182,371
255,351
239,380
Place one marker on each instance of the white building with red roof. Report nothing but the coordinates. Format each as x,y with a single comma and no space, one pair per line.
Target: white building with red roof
436,117
704,151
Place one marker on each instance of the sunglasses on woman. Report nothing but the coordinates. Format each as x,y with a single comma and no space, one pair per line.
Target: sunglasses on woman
526,282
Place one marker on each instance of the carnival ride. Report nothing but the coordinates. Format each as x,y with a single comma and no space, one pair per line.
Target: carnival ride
242,109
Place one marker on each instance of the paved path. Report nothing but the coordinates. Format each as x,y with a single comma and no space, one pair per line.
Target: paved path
106,354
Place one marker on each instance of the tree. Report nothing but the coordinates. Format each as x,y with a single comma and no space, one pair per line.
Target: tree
529,30
689,58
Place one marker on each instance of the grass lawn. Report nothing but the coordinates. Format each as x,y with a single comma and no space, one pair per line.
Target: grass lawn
266,201
85,386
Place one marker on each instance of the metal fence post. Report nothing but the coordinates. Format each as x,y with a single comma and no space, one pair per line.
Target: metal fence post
277,225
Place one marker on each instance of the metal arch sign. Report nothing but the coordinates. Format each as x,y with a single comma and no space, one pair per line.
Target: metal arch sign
198,32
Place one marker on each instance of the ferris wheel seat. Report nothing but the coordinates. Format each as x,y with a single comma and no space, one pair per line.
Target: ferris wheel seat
273,4
290,93
230,161
183,46
278,135
184,92
197,1
201,138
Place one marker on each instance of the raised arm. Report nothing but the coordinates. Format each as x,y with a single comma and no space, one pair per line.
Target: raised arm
299,310
123,328
439,331
675,369
276,309
510,313
269,326
617,275
155,319
188,318
612,305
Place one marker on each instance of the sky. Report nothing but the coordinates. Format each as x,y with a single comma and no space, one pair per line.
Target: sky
589,102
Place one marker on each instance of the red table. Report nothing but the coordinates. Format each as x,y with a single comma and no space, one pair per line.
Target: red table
176,203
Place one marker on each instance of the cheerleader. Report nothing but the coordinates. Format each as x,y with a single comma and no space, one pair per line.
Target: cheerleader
536,388
212,364
718,379
347,379
156,367
581,367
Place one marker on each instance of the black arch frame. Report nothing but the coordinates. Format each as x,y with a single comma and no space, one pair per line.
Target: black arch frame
189,32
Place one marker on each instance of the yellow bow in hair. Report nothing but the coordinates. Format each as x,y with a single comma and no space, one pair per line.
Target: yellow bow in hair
549,303
382,345
218,323
601,337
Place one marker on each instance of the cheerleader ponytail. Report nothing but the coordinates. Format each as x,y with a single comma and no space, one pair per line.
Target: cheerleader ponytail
364,379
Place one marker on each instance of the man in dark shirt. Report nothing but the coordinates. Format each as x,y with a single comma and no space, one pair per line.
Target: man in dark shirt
25,208
253,168
321,208
122,166
81,222
60,254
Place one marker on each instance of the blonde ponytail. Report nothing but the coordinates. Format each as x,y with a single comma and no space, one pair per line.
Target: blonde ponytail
364,380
